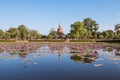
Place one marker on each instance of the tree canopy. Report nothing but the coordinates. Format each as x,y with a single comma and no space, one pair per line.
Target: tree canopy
86,29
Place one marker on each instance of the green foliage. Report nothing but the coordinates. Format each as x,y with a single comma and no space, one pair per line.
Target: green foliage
33,34
77,30
117,31
86,40
109,34
23,32
56,40
53,40
36,40
118,36
80,31
101,37
91,27
7,35
1,34
7,40
20,33
52,34
15,33
117,27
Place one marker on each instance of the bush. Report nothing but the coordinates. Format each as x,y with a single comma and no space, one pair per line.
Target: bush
109,41
36,40
7,40
90,40
46,40
56,40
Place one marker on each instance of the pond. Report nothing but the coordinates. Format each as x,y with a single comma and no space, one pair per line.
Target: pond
59,61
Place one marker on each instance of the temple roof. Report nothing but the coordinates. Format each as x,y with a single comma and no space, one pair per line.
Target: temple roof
60,30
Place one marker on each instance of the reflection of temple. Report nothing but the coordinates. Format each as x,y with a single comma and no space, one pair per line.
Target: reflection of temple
60,33
59,54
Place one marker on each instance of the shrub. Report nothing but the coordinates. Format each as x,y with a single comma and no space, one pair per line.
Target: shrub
7,40
90,40
36,40
56,40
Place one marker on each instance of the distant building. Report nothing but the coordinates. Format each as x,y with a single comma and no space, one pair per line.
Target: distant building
60,33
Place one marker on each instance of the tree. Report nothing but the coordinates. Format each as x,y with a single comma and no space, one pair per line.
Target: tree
68,35
117,27
52,34
7,35
117,31
91,27
95,28
23,32
72,34
101,36
77,30
33,34
15,33
1,34
38,36
111,34
105,34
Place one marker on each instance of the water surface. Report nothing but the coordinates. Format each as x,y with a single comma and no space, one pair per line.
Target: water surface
59,62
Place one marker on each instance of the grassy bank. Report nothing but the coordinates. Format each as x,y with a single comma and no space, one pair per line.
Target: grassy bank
56,42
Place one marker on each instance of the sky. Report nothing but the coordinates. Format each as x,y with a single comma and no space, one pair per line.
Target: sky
42,15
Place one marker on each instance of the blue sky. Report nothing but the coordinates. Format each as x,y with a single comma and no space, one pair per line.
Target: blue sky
43,15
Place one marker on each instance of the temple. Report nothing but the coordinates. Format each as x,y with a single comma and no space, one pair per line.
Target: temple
60,33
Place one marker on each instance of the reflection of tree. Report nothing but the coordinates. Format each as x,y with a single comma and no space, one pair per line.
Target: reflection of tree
107,48
23,57
117,52
86,58
118,49
77,58
22,54
113,48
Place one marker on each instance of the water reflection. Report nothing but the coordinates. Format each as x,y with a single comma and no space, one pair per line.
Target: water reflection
85,53
85,58
64,61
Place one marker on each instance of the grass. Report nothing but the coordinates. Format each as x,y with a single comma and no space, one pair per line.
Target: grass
112,44
12,42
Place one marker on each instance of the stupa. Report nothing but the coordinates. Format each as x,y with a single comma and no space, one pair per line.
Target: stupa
60,33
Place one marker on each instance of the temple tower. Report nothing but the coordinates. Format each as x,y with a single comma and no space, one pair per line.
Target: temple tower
60,32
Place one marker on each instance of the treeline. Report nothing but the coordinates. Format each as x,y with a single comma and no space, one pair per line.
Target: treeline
20,33
86,29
